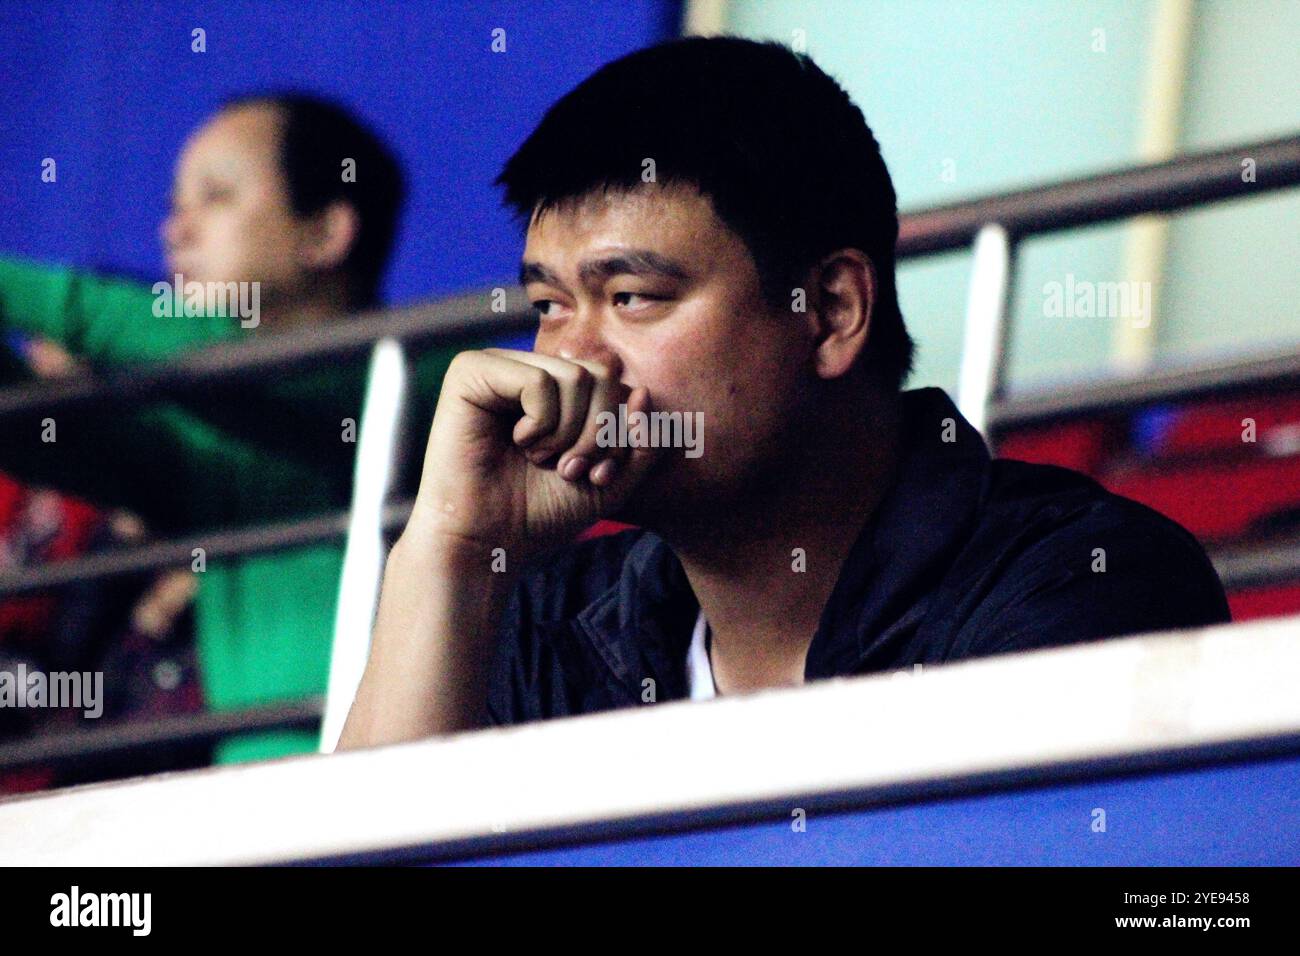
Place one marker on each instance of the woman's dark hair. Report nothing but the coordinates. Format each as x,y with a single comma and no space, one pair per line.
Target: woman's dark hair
317,136
784,155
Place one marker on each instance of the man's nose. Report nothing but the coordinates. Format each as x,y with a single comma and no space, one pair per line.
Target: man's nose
582,338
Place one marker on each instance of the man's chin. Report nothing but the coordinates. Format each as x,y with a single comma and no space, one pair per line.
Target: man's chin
644,508
664,499
634,511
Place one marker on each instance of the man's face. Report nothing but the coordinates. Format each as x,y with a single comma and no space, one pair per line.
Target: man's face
231,219
652,284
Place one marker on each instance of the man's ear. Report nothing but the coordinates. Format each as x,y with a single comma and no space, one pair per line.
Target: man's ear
845,289
330,236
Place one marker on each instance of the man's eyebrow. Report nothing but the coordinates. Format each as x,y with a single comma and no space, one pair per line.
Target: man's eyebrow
637,262
536,272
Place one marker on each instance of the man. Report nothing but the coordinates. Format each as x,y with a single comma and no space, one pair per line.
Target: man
264,197
711,231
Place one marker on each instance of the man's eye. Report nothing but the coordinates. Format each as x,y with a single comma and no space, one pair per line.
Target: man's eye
633,298
544,306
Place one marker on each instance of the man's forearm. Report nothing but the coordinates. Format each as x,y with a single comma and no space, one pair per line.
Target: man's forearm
433,644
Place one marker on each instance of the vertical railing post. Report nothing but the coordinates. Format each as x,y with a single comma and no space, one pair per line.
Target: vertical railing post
988,323
379,445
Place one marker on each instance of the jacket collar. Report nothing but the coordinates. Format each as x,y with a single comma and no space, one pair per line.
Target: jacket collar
641,627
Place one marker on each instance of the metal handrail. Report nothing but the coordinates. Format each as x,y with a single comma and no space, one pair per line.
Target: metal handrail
464,317
129,737
179,553
1181,383
1190,180
1257,566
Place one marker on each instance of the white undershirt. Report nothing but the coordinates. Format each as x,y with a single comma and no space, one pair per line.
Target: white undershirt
699,672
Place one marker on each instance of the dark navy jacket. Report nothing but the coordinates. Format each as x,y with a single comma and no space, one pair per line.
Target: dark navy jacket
965,556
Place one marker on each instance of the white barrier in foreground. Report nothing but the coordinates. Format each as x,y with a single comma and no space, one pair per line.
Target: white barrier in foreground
1008,717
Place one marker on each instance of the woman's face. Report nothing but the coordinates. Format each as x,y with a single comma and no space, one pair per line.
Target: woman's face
231,218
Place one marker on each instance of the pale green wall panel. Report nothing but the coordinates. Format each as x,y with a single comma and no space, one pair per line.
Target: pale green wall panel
1232,281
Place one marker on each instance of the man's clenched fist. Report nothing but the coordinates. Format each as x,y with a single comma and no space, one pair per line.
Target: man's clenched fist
512,460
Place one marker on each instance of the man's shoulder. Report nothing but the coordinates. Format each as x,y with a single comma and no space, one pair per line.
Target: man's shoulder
1022,494
1056,558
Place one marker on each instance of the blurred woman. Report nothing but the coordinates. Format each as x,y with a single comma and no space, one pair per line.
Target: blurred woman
292,197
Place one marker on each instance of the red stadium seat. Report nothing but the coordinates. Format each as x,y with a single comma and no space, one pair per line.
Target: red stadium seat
1216,501
1273,601
1207,427
1080,445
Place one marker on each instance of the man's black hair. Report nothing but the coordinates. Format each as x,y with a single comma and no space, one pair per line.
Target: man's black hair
317,135
784,155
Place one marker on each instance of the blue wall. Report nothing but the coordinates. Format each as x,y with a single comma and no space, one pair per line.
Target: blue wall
1224,814
111,89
